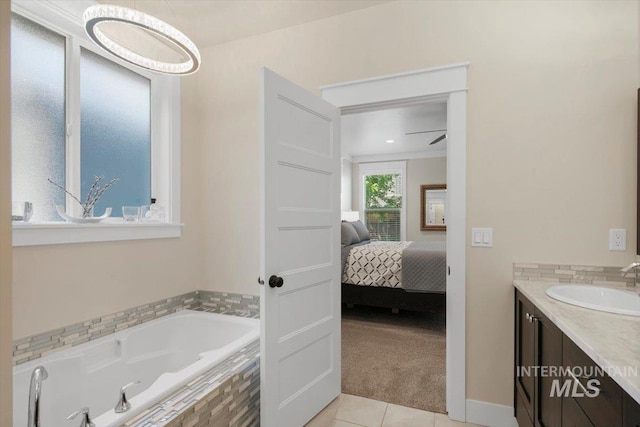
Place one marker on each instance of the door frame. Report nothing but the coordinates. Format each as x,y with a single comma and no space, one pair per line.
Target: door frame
415,87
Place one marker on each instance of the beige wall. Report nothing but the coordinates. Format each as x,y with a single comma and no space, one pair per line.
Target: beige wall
62,284
551,124
5,218
421,172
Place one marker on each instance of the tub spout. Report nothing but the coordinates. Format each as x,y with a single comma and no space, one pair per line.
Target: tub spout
38,375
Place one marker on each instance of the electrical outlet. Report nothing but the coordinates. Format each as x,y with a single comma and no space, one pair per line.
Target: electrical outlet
618,239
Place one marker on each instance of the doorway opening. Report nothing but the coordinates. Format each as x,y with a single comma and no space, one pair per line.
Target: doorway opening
446,84
394,275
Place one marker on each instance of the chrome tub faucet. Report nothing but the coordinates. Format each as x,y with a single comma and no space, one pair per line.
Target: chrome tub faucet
38,375
123,404
85,419
633,266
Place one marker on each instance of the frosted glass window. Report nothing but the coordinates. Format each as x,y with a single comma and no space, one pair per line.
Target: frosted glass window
115,119
38,116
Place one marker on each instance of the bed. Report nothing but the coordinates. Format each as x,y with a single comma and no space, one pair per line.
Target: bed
398,275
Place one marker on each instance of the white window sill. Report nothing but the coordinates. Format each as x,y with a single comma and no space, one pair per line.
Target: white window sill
60,233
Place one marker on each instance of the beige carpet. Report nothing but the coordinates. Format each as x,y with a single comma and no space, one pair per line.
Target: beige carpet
395,358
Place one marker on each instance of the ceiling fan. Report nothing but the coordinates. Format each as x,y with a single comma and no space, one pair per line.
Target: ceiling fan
435,141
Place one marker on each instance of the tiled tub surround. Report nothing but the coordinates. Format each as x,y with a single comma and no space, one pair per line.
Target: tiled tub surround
611,340
165,355
36,346
561,273
227,395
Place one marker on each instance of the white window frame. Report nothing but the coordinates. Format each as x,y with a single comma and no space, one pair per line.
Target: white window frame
65,17
384,168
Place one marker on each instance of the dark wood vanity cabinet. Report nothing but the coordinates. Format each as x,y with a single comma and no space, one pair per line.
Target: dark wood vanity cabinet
573,415
605,409
524,357
630,412
540,345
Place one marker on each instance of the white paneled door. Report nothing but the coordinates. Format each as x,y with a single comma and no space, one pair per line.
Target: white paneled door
300,297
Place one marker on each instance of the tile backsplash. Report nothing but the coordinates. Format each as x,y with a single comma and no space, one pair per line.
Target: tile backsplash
565,273
35,346
226,303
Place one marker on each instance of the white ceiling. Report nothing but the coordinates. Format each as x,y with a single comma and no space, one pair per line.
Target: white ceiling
210,22
365,134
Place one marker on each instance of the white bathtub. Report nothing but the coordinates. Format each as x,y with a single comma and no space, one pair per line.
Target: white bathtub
164,354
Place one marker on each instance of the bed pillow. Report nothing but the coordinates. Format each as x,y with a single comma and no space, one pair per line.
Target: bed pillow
361,229
349,234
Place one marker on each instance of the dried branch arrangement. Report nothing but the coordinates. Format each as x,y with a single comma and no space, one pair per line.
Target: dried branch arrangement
95,193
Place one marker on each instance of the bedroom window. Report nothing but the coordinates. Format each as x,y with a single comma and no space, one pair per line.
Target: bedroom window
77,114
382,205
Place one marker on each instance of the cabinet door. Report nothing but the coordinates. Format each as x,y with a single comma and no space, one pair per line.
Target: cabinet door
524,355
547,408
572,415
630,412
605,409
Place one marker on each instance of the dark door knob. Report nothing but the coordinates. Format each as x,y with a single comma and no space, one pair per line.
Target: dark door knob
275,281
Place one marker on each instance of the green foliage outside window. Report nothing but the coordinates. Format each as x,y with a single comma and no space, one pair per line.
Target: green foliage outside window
381,191
383,201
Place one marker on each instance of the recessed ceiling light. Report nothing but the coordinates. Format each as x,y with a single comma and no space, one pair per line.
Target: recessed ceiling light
390,141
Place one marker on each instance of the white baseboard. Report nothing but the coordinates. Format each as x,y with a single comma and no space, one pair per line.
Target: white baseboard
490,414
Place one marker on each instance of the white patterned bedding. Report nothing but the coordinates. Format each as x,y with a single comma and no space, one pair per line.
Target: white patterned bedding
375,264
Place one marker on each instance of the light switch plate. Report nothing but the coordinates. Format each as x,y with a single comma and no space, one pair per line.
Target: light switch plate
482,237
618,239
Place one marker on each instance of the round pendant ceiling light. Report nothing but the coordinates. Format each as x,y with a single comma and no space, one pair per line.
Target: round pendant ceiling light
96,15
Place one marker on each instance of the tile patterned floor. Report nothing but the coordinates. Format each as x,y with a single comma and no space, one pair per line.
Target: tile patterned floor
355,411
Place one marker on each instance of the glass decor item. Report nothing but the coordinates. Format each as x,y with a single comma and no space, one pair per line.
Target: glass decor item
21,211
156,212
144,212
153,212
131,213
97,16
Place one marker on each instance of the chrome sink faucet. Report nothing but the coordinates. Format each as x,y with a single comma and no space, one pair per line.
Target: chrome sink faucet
38,375
633,266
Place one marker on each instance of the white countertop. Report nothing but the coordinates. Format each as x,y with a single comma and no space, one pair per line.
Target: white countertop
611,340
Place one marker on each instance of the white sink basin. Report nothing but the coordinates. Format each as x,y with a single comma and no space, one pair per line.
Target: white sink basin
597,298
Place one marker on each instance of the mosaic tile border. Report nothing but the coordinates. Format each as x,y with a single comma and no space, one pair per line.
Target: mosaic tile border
227,303
226,395
36,346
564,273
